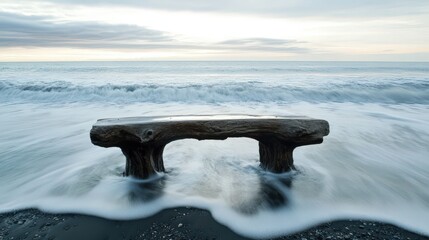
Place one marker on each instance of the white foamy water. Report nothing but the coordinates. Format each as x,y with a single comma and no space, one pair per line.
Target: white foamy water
373,165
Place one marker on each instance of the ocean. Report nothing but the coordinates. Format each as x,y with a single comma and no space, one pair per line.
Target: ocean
373,165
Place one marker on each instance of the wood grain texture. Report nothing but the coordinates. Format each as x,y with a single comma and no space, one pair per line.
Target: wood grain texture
142,139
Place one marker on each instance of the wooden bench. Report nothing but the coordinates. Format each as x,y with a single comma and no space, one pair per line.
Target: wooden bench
142,139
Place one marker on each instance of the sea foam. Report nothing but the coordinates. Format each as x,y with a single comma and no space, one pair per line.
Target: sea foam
65,92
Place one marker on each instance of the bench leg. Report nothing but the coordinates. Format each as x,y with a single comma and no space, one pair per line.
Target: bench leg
143,161
276,155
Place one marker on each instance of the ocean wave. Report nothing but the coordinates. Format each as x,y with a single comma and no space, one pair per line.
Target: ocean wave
66,92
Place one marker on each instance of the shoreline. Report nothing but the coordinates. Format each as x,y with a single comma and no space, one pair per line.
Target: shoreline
175,223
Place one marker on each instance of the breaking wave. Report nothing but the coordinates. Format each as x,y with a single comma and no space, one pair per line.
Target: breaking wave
66,92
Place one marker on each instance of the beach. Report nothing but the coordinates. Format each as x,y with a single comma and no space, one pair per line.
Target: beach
177,223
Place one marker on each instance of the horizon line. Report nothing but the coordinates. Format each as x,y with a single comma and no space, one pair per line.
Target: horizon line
71,61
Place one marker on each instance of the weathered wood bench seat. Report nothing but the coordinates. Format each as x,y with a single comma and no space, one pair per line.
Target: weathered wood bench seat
142,139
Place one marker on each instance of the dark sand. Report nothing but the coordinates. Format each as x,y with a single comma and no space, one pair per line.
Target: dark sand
178,223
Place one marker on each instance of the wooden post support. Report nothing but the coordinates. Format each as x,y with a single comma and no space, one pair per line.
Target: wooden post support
142,139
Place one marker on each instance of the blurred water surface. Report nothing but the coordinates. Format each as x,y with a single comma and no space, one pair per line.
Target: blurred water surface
373,165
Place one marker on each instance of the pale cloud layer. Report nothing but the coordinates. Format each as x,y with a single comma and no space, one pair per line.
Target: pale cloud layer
290,8
214,30
18,30
36,31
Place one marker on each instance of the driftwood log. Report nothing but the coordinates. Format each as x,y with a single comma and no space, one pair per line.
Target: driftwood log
142,139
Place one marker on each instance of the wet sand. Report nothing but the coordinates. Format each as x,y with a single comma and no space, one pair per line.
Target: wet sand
177,223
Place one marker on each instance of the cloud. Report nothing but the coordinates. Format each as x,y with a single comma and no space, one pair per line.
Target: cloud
264,44
289,8
38,31
263,41
18,30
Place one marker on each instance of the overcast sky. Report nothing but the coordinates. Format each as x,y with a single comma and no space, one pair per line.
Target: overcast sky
353,30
